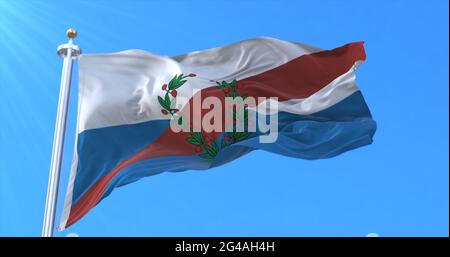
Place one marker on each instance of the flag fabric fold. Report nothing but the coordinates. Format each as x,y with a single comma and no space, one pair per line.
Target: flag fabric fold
127,101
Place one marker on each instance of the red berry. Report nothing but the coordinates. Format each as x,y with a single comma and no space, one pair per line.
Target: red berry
165,112
174,93
164,87
192,75
175,110
198,149
226,138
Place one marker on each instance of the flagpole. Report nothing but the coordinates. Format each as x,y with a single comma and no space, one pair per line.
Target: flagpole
69,52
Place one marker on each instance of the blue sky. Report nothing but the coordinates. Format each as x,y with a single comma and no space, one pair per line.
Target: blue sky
398,186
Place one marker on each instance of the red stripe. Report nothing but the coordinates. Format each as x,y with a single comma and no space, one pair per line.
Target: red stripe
298,78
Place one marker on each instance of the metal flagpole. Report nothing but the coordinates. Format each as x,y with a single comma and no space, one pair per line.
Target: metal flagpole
69,52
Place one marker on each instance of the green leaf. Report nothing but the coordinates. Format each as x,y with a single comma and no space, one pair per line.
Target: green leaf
172,81
164,103
198,136
178,84
161,102
193,141
215,147
178,119
167,101
210,150
195,136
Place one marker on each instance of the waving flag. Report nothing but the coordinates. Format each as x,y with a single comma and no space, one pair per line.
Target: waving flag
130,104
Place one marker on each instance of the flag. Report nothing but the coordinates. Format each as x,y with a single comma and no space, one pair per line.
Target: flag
140,114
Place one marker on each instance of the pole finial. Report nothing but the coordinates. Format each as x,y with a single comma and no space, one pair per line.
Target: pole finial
71,33
64,48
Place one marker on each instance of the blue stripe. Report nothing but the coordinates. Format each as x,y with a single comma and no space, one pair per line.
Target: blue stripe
101,150
342,127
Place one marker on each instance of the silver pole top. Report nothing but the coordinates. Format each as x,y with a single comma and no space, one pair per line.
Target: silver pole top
76,50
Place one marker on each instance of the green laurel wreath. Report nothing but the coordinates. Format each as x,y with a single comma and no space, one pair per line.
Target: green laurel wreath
206,147
233,137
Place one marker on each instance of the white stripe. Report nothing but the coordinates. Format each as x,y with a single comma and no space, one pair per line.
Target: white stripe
340,88
122,88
